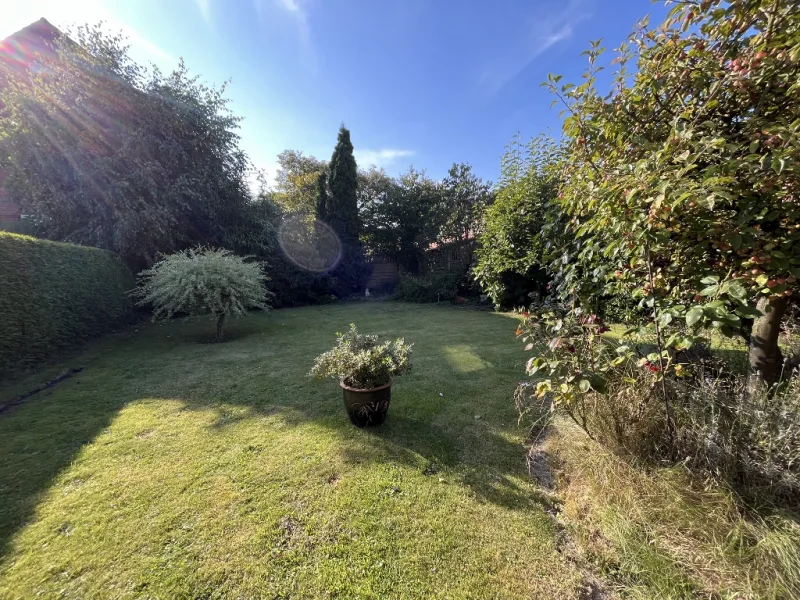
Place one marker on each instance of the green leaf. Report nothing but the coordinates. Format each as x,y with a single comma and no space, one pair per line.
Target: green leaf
598,383
710,280
665,319
584,385
747,312
710,290
736,241
736,290
694,315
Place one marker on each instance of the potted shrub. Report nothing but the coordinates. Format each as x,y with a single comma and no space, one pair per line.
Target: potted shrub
364,368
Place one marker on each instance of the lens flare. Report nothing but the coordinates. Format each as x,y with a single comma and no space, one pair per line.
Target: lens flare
310,244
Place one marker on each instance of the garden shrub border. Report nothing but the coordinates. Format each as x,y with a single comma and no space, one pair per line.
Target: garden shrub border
428,288
54,295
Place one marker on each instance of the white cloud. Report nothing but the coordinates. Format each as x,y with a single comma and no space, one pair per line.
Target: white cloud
296,10
291,5
292,17
204,6
382,157
544,34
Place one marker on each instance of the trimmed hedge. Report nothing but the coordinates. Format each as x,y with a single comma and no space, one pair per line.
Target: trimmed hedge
15,226
55,295
433,287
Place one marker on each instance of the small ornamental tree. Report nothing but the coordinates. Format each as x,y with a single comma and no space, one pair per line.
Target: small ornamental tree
683,183
203,282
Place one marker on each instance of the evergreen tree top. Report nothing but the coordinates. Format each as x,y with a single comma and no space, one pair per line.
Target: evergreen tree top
342,158
343,178
343,139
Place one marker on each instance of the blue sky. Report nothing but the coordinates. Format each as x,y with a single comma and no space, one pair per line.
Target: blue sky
422,82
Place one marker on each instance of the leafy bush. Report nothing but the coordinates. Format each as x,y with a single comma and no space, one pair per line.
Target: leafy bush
698,413
203,281
359,361
169,174
55,295
517,234
680,180
622,308
569,351
428,288
294,286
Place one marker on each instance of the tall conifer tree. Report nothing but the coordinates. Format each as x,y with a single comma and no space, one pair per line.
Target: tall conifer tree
341,212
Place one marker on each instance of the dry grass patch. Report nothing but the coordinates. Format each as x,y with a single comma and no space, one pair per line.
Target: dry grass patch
656,535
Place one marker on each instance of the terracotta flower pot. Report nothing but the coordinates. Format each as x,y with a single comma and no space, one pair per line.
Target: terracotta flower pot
367,407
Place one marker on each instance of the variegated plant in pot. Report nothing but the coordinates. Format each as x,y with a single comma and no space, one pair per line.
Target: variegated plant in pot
364,368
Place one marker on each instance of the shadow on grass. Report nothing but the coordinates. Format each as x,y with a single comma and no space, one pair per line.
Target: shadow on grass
736,359
479,458
40,444
262,368
232,333
467,449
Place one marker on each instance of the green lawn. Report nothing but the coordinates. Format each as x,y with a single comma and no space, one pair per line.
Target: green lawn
173,468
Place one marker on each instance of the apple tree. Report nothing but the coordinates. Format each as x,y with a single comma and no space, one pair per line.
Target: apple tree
682,182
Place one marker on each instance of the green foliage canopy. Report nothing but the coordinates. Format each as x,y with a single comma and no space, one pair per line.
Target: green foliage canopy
297,181
104,152
464,196
400,216
518,233
682,181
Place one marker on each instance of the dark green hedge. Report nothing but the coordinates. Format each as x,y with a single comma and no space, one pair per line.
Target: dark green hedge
54,295
433,287
14,226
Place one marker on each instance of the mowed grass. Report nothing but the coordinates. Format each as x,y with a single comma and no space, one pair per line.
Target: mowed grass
173,468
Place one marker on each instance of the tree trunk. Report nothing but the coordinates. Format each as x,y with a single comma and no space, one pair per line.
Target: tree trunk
220,323
766,359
